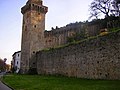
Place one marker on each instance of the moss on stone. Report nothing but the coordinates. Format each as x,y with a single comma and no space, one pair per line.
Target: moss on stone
111,32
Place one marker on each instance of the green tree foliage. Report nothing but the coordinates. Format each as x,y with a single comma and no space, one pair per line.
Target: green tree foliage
112,22
76,37
3,66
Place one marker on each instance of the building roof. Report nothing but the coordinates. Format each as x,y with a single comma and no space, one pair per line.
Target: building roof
16,53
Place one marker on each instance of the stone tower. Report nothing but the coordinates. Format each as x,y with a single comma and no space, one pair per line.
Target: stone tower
32,31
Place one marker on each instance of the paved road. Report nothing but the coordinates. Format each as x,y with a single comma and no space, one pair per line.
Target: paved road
3,86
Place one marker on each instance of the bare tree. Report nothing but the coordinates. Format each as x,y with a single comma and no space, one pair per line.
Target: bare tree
98,7
116,7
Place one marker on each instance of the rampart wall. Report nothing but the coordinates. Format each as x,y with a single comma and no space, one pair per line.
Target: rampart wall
59,36
96,58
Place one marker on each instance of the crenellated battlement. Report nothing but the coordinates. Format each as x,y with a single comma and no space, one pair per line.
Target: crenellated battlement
38,2
35,6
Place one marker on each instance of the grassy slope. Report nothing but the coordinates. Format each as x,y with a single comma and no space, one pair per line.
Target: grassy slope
37,82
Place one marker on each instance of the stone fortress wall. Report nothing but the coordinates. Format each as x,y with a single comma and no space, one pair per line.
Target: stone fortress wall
59,36
97,58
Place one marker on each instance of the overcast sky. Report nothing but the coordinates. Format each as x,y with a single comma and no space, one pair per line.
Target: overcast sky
60,13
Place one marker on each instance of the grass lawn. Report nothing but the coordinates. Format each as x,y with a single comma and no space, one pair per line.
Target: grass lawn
37,82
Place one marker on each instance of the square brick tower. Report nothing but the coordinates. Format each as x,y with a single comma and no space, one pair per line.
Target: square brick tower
32,31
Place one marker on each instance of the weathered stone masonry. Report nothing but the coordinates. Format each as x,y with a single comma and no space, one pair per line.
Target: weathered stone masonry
35,38
97,58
